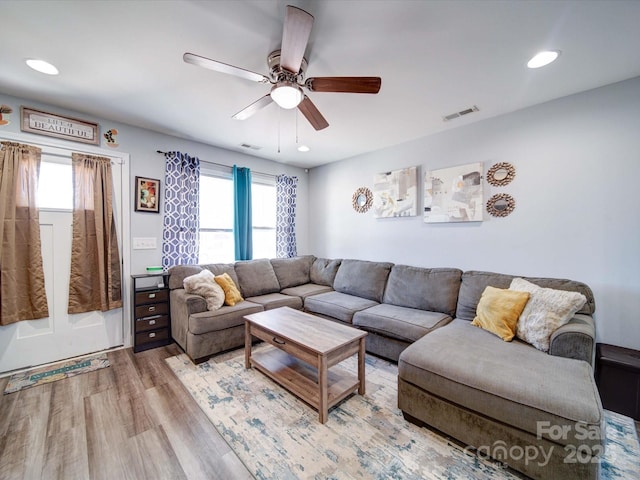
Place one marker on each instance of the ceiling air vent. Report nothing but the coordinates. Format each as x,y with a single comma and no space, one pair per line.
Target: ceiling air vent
467,111
251,147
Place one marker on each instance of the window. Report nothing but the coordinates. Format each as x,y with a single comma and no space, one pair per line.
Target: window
55,186
263,216
216,219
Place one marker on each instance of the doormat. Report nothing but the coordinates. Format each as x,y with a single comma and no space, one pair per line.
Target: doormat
53,373
279,437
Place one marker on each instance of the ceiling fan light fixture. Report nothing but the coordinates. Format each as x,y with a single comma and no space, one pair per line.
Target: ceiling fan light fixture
287,95
543,58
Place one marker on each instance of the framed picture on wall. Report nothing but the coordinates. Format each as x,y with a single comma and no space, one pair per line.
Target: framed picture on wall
147,195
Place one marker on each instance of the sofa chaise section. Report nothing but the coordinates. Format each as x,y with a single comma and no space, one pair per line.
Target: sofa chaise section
488,394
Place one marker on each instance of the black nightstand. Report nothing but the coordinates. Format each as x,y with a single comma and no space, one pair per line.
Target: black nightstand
151,313
618,379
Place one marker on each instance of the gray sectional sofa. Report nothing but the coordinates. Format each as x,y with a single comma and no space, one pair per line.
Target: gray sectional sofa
503,399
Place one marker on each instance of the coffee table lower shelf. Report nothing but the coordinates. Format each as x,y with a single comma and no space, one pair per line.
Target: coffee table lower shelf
301,379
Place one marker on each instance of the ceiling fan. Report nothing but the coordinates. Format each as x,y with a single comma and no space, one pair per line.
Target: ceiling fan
287,67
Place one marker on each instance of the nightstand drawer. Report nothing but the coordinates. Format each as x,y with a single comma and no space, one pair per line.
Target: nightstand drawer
152,336
152,296
151,323
149,310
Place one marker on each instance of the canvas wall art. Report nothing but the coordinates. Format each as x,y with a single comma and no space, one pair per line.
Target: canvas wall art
395,193
454,194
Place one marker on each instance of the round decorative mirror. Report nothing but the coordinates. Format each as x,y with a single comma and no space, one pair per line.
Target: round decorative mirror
501,205
501,174
362,200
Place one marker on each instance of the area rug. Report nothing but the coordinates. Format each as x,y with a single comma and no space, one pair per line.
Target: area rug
55,372
279,437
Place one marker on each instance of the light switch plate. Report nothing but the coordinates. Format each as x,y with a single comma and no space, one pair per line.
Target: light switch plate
144,243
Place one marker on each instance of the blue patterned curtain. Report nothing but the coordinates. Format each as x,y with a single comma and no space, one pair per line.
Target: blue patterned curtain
286,216
242,224
181,210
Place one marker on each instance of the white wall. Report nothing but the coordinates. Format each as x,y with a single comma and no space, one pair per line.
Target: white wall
142,144
577,209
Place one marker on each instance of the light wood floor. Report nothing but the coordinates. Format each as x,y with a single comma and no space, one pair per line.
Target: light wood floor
133,420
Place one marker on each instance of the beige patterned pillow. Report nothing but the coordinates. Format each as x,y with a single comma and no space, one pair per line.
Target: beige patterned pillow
204,284
546,311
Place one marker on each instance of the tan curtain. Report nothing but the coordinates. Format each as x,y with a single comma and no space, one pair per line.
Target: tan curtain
95,282
22,292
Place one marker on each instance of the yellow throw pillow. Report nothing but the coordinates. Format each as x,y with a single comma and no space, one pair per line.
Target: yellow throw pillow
231,292
498,311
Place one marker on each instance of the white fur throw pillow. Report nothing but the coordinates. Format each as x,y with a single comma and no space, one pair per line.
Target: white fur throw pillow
546,311
204,284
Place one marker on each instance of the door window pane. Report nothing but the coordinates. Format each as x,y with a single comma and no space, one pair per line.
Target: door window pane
55,186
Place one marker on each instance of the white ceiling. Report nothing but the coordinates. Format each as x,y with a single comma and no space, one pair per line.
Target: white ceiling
122,60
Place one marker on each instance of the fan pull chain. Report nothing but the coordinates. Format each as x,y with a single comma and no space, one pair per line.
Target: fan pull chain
296,128
279,129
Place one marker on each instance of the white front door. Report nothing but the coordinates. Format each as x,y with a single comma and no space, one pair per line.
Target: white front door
59,336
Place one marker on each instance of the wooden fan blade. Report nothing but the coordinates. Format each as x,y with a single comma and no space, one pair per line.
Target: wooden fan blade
224,68
344,84
295,36
253,108
311,113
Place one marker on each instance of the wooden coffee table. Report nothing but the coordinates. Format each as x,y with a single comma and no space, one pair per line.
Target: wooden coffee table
306,349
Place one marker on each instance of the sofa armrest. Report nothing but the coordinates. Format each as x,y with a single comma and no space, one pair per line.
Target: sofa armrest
183,305
576,339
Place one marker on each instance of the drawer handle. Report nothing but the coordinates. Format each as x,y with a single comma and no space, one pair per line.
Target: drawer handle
279,342
152,309
152,295
152,322
152,334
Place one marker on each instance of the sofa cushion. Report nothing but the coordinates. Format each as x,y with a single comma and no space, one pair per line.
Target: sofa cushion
178,273
474,283
323,271
292,271
498,311
431,289
337,305
277,300
401,323
223,318
303,291
510,382
547,310
256,277
362,278
231,293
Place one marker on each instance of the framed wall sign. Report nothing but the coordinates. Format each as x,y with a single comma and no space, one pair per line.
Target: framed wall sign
147,195
52,125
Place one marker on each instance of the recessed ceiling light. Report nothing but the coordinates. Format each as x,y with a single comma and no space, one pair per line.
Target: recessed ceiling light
42,66
543,58
303,148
